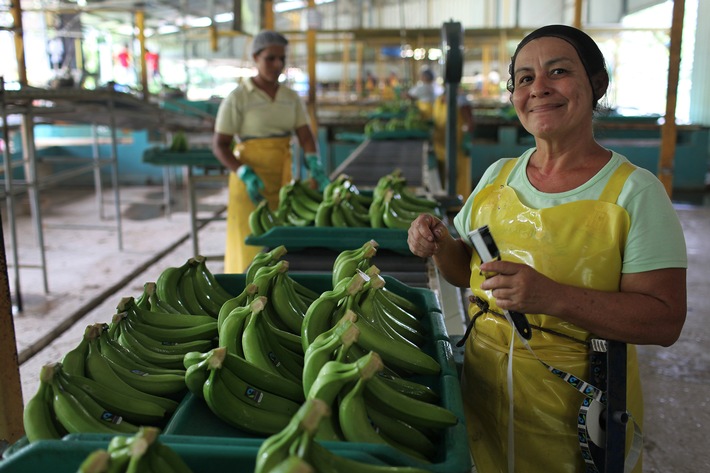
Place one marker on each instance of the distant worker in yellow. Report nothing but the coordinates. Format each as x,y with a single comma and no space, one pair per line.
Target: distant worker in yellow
424,92
431,101
464,122
252,138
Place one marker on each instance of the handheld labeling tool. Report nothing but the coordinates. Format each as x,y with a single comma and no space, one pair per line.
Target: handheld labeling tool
486,247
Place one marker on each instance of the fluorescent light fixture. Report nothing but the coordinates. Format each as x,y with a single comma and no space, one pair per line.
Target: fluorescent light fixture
224,17
295,5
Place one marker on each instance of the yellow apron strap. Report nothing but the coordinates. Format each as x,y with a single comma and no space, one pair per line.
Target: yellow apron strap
504,173
616,183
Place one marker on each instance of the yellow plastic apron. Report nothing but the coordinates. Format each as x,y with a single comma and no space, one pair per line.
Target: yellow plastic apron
463,166
578,243
425,108
270,158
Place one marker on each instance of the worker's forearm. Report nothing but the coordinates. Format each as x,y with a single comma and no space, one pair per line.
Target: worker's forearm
452,259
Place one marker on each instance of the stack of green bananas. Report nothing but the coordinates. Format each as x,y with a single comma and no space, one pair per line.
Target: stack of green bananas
296,449
131,369
343,205
179,142
101,387
242,394
395,206
298,204
253,380
141,452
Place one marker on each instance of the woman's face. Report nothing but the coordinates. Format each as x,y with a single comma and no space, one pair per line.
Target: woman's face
270,62
553,95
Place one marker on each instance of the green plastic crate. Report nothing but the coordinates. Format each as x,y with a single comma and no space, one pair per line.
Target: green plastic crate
193,417
400,135
332,238
192,157
202,455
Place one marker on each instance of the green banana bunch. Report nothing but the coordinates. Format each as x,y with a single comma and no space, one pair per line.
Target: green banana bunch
325,461
267,258
235,302
399,325
99,370
402,435
332,378
174,327
208,286
293,464
77,412
167,287
399,300
237,408
230,335
149,300
348,261
288,305
262,349
262,219
394,216
323,349
277,448
319,315
38,417
141,452
354,421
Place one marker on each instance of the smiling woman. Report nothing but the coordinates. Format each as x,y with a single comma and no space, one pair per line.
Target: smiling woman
591,248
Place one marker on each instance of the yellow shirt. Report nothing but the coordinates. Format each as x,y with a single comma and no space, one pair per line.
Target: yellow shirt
248,112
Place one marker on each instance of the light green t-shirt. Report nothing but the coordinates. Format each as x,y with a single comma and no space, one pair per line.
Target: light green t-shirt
248,112
655,238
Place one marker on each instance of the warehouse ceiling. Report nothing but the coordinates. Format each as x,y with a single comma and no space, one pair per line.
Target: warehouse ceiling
160,16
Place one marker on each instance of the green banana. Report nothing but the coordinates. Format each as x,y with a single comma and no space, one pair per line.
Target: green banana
375,212
38,416
175,464
352,416
258,377
413,411
98,369
337,217
238,413
395,218
234,302
323,214
352,218
257,229
383,299
156,303
95,462
160,347
94,408
167,287
293,464
135,410
302,209
195,378
306,294
277,448
310,196
288,305
410,388
234,324
162,319
391,325
216,291
252,395
74,359
396,354
186,290
267,258
283,336
324,346
74,416
261,351
325,461
158,384
408,196
319,314
110,348
400,432
346,263
205,331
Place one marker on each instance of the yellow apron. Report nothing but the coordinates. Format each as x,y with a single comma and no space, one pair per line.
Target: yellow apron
270,158
578,243
463,166
425,108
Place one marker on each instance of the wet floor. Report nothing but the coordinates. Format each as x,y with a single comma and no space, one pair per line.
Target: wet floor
88,275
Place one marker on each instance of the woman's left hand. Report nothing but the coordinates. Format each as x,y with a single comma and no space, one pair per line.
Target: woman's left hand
518,287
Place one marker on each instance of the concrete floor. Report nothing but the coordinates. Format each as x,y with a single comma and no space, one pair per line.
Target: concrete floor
87,277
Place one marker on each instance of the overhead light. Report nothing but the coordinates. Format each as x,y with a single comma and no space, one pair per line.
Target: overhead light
290,5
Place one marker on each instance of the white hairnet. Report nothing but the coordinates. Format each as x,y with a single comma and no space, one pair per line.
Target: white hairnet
267,38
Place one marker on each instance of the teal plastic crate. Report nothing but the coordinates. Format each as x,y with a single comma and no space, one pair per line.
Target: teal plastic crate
202,455
193,157
332,238
400,135
193,417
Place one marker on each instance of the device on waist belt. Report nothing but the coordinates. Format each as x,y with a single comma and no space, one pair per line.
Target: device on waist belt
486,247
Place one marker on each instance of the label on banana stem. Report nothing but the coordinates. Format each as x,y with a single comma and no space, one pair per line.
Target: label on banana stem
139,372
254,394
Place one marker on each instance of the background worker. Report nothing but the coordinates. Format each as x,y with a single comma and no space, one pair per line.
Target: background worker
591,248
260,117
431,101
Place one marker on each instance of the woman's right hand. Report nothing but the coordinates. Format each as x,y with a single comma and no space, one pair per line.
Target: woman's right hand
425,234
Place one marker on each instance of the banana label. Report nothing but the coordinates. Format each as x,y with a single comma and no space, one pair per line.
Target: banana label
254,394
274,359
111,418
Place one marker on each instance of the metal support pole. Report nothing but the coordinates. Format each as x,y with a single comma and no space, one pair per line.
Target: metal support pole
114,174
96,154
451,142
